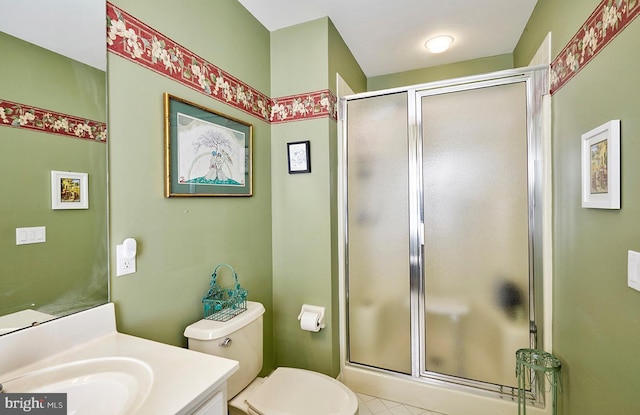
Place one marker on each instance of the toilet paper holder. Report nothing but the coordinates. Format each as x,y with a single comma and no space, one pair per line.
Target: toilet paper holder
306,308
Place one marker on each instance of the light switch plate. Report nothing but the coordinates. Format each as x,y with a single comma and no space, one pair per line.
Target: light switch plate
633,270
32,235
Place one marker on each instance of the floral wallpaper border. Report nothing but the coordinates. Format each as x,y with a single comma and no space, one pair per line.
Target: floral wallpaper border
608,19
13,114
304,106
132,39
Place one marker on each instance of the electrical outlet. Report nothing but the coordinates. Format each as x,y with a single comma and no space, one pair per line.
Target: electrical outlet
124,265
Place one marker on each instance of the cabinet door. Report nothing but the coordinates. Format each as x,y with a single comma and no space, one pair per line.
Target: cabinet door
216,405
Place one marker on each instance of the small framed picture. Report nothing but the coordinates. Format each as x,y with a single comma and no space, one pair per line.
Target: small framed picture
601,167
299,157
69,190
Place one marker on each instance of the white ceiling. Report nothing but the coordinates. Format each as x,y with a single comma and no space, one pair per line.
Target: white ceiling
388,36
74,28
385,36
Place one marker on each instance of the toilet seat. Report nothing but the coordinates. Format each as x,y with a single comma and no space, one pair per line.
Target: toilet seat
289,391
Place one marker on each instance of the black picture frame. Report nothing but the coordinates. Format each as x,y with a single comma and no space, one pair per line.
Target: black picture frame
299,157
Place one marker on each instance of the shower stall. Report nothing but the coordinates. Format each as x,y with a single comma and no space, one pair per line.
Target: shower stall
441,228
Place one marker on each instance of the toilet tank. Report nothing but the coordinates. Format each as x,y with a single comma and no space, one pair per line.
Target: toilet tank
239,338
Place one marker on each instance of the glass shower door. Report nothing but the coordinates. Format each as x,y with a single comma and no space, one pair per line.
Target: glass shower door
379,314
475,208
443,255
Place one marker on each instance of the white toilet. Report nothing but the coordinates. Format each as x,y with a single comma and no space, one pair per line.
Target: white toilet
286,391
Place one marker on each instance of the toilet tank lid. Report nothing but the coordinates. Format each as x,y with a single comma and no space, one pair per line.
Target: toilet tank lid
210,330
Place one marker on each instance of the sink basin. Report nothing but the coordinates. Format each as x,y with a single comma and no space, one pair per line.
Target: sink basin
109,385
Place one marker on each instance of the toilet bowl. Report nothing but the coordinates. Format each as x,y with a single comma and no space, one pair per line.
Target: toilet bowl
286,391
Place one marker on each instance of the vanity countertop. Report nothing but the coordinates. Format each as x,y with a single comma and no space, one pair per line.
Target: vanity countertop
181,378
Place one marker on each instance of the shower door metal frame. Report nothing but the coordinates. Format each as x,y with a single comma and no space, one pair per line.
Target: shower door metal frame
536,84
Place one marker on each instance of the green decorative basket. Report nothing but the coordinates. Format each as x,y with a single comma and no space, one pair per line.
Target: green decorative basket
222,304
532,367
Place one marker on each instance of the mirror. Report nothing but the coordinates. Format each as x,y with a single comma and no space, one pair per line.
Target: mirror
52,118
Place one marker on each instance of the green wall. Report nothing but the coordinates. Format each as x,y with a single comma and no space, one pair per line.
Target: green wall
302,256
67,272
341,61
595,317
181,240
306,58
299,58
437,73
282,240
302,249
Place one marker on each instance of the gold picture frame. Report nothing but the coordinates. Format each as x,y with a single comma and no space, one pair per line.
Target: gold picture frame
206,152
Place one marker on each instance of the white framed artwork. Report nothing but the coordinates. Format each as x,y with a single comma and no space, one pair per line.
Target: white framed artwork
601,167
69,190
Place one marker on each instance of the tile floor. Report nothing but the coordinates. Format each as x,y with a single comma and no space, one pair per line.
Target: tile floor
370,405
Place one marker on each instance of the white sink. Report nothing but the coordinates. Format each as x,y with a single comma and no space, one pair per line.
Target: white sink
104,372
106,385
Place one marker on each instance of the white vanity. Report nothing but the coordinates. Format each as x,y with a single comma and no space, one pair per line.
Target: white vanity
106,372
25,318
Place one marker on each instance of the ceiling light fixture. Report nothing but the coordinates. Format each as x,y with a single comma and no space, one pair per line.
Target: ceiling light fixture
439,44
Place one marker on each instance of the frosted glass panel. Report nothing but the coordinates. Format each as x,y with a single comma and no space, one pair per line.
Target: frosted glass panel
378,233
476,253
